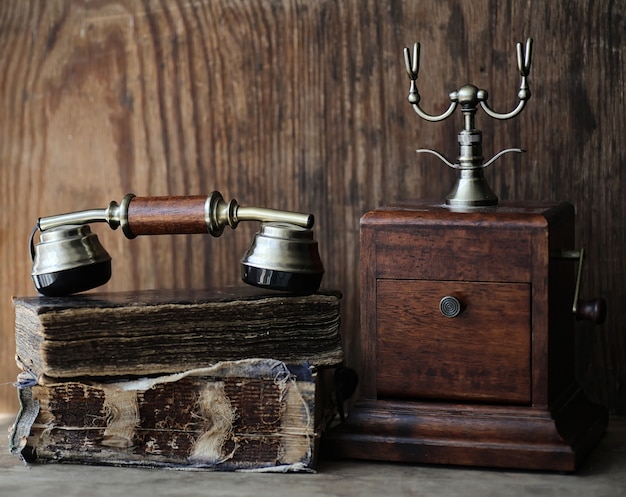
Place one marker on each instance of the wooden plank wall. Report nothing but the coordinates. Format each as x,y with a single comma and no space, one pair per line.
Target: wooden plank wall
301,104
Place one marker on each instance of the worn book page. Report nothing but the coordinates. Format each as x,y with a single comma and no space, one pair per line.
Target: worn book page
153,332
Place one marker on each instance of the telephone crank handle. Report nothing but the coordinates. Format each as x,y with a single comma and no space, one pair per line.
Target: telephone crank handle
591,310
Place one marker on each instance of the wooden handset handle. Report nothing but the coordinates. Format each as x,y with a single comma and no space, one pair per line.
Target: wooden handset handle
167,215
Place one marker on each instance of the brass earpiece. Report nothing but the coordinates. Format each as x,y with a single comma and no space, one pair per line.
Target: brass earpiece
70,259
283,257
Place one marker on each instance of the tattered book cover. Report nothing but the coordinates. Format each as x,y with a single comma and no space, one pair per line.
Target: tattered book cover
254,414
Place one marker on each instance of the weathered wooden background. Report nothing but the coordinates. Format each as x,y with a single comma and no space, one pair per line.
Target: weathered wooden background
301,104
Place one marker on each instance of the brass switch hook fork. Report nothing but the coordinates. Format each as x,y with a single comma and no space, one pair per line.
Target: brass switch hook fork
471,189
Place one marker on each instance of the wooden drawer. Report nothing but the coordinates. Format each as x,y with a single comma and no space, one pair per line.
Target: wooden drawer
483,354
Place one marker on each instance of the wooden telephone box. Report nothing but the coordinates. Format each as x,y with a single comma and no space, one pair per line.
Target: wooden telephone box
467,337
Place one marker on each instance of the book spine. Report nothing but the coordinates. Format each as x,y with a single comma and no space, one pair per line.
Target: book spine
253,414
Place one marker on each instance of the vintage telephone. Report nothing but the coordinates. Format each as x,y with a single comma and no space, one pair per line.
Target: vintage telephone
70,259
469,358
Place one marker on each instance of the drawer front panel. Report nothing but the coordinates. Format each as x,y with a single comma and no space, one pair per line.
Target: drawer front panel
482,354
469,254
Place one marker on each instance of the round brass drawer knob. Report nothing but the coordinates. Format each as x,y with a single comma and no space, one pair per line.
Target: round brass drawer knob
450,306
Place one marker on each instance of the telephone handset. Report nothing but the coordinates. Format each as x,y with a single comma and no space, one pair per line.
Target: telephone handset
70,259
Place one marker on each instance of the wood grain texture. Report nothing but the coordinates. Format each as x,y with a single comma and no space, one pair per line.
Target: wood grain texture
440,433
167,215
471,357
301,105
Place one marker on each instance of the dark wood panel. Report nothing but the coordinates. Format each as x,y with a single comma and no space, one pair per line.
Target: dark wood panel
463,257
483,354
302,105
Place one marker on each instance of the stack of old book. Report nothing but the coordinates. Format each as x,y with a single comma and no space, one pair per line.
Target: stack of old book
218,379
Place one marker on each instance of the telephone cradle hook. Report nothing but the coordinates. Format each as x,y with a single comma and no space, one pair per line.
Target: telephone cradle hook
471,188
